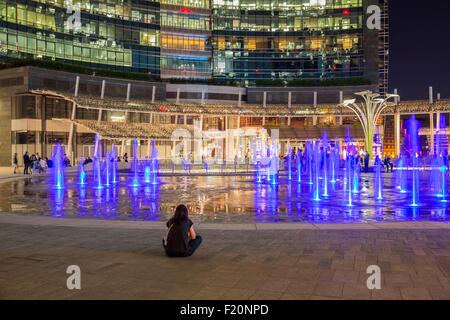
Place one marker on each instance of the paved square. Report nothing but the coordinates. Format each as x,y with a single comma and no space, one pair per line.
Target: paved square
119,263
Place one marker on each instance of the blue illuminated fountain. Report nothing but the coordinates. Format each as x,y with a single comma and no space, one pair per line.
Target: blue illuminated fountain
349,171
443,171
272,173
114,166
349,178
289,163
81,174
257,159
108,169
97,168
316,182
439,168
58,162
378,190
316,171
97,172
325,163
401,175
258,171
135,165
356,174
412,149
152,167
334,163
299,166
309,155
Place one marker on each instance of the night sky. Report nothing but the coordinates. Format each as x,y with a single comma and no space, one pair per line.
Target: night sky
420,47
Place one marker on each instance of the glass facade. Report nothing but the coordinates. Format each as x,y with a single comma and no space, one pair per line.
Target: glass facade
288,39
242,40
185,39
121,35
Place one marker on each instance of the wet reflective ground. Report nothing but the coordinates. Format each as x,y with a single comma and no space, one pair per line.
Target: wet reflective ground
220,199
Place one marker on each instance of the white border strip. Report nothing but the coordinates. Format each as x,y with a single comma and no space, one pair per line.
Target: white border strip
6,218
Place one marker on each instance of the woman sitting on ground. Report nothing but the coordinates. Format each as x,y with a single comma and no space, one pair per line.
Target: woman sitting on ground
181,239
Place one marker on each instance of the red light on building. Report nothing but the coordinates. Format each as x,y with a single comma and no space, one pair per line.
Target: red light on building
185,10
346,12
258,69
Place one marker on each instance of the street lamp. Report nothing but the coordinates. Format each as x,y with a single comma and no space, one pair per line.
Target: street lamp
369,111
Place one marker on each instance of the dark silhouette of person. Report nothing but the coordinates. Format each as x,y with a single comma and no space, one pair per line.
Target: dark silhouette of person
181,239
26,163
366,162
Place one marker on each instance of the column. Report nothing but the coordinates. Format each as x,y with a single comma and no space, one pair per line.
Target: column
431,133
341,123
203,96
122,148
200,138
238,126
123,141
315,118
264,99
437,135
178,96
102,94
289,99
153,94
99,118
72,123
397,134
438,120
225,146
430,95
43,127
128,92
396,99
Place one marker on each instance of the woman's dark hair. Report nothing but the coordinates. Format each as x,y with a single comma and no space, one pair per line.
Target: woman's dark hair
181,214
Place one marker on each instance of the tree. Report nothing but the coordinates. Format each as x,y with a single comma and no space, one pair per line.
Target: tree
368,112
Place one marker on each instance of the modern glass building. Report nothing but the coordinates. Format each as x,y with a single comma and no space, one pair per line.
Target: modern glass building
238,40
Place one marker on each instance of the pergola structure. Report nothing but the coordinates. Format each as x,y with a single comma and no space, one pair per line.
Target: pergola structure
368,112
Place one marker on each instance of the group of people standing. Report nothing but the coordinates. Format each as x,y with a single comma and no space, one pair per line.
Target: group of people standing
34,164
31,164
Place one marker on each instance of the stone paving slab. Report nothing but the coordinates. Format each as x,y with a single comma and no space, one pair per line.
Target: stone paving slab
128,263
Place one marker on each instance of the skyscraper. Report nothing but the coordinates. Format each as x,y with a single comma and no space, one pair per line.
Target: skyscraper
233,40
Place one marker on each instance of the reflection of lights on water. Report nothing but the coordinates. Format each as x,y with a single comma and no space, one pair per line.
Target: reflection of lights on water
271,202
58,203
415,212
82,193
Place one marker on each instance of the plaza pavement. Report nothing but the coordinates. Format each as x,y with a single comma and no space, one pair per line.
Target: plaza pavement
124,260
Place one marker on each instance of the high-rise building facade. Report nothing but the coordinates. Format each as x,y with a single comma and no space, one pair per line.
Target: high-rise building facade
237,40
